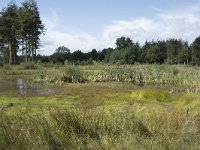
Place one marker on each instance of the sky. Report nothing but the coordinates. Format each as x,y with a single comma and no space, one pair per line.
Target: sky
96,24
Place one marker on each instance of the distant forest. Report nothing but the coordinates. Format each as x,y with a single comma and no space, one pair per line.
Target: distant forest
21,27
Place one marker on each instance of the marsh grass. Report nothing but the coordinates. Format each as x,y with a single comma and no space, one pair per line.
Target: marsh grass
151,95
78,129
179,78
108,114
112,118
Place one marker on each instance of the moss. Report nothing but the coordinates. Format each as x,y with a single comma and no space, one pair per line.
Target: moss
151,95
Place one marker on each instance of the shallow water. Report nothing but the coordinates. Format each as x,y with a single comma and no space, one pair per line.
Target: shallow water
23,86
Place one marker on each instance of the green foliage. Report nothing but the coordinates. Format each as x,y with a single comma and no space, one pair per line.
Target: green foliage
175,71
177,78
151,95
31,28
78,56
42,72
171,51
1,64
28,65
127,55
73,74
152,55
21,26
61,55
123,42
75,129
102,116
196,52
9,28
94,55
42,75
117,57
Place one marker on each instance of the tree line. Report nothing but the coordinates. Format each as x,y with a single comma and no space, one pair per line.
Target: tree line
170,51
20,28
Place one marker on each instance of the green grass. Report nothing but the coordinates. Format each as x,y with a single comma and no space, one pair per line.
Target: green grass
103,115
152,95
100,116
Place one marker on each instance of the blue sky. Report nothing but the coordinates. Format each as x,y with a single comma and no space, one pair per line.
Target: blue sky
88,24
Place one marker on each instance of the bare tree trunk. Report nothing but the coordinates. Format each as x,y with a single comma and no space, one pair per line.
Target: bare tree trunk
10,53
23,47
26,51
14,52
32,51
187,55
14,58
35,54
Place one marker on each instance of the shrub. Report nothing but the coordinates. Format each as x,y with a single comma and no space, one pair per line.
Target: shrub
28,65
1,64
73,74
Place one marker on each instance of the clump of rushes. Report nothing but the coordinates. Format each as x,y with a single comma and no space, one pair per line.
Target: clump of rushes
73,75
41,72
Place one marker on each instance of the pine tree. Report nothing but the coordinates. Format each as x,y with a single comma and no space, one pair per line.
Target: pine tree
32,27
9,27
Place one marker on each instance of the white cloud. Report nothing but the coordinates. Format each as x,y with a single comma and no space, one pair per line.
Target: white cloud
138,29
54,38
183,23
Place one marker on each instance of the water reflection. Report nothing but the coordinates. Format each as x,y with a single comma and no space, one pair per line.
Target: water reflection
24,87
21,86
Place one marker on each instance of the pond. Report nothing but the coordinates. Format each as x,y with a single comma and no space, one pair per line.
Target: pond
23,86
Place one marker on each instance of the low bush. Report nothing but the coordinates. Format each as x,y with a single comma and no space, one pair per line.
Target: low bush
73,74
28,65
1,64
